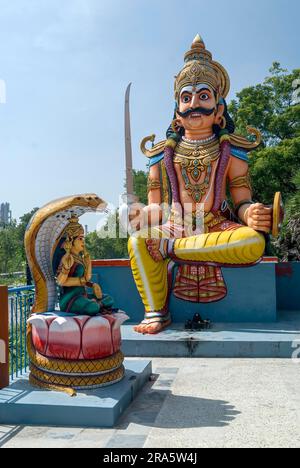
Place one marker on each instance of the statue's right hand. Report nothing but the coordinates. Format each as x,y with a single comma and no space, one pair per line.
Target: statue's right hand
131,216
67,261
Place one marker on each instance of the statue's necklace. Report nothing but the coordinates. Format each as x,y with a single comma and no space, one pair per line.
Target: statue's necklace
194,160
78,259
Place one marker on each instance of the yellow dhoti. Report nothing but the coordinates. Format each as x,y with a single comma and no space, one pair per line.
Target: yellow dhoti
229,244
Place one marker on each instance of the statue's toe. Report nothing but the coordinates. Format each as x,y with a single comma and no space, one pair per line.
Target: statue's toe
151,328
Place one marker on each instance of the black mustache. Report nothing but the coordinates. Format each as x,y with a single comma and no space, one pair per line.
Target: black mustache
199,110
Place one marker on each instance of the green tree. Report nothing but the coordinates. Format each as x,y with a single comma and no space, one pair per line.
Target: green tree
293,205
288,244
12,250
110,241
20,231
107,243
270,108
9,253
273,169
140,186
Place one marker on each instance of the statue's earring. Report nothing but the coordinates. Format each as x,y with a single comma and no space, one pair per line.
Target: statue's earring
176,126
67,245
222,123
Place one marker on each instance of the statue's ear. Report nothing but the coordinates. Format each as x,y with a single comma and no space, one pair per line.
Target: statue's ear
178,121
220,112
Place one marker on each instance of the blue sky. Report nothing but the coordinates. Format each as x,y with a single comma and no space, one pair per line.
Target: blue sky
66,65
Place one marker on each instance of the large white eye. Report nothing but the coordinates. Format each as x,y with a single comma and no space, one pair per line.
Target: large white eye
185,98
204,96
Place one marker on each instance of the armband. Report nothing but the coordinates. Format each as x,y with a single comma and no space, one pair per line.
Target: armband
153,185
243,181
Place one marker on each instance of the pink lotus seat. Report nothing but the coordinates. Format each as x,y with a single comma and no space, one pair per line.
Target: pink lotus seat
60,336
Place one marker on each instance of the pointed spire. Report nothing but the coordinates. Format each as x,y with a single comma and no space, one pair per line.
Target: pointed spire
198,42
197,38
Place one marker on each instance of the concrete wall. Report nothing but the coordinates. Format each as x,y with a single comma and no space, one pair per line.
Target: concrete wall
251,294
288,286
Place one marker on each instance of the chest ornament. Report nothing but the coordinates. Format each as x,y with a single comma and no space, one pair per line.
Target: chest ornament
195,161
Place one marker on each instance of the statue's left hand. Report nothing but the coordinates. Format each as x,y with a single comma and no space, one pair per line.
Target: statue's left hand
97,291
259,217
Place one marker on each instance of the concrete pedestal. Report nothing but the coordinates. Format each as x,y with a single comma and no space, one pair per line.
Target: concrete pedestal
223,340
20,403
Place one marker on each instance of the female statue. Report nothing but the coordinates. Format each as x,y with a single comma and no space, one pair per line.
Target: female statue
74,274
79,346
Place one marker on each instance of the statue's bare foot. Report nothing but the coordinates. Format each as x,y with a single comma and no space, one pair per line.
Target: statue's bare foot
157,249
151,328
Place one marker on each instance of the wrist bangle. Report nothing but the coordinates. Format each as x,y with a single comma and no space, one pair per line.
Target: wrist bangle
239,206
244,216
82,281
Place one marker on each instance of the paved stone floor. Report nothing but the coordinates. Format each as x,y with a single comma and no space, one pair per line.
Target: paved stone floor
194,403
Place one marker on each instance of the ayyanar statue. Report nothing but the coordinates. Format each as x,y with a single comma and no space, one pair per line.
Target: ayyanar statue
191,172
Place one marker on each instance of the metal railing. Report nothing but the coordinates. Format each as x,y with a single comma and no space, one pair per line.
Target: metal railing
14,273
20,301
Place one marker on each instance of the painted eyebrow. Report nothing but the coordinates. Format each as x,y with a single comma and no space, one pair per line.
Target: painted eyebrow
200,91
203,89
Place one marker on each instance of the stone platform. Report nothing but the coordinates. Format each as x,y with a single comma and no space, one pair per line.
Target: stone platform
223,340
251,297
20,403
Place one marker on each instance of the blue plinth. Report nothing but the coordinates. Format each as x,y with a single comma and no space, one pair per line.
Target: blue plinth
288,285
251,295
20,403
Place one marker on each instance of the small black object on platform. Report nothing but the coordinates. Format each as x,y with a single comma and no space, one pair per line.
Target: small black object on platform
197,323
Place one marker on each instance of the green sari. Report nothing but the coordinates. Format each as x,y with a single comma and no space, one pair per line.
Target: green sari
76,300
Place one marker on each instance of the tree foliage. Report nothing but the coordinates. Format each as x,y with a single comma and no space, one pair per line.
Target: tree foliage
269,107
107,243
12,251
275,166
140,186
288,244
273,169
110,241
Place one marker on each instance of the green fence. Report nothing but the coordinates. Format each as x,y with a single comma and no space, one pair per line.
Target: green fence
20,301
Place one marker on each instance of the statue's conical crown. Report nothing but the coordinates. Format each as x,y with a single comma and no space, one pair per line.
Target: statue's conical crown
73,228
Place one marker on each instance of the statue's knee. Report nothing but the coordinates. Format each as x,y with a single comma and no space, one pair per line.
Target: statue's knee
258,245
92,308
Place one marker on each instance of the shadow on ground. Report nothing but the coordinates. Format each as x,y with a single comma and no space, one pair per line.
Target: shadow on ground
178,411
8,432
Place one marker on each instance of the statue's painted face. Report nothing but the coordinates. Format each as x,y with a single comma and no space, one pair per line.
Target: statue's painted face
197,108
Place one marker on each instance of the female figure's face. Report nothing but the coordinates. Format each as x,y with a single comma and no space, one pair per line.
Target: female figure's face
79,244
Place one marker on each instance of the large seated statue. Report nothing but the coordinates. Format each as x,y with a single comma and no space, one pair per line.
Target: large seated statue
78,345
190,172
